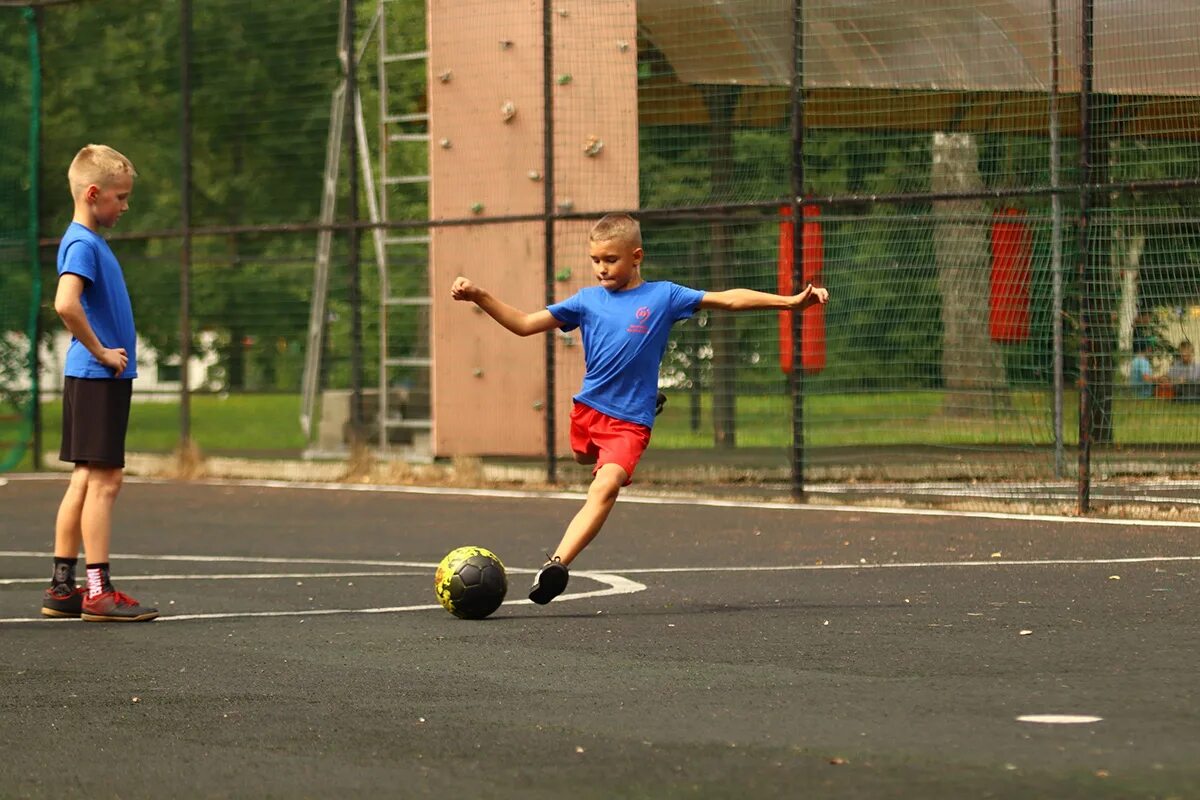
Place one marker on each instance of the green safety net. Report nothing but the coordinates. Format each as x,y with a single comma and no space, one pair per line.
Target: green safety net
20,285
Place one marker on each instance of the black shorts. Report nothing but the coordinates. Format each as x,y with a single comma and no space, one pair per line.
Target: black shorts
95,418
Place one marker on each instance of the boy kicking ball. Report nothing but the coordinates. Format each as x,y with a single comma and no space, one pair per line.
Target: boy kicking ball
625,323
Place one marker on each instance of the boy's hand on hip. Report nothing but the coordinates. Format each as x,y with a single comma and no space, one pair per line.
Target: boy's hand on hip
115,359
463,289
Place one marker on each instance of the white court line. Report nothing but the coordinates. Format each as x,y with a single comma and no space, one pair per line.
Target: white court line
254,560
516,494
1048,562
236,576
616,585
1059,719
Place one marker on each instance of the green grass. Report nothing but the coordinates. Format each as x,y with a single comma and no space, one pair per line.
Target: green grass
259,424
918,418
251,423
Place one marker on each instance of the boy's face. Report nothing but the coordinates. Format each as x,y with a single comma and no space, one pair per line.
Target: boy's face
616,263
110,200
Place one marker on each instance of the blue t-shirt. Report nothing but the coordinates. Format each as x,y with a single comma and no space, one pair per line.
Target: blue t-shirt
1140,375
624,339
105,301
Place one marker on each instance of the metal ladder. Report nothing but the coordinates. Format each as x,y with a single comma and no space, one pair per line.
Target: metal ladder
409,303
403,258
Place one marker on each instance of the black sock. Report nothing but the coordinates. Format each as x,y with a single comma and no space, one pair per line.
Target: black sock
98,580
64,572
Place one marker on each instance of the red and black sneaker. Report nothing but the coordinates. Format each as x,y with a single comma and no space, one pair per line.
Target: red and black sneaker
115,607
62,601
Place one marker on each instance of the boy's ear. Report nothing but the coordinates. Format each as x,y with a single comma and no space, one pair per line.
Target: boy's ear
91,193
638,255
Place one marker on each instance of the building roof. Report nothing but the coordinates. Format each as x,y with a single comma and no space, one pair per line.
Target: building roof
1141,47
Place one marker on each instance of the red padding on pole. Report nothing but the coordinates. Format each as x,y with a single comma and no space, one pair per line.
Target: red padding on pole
1012,253
812,323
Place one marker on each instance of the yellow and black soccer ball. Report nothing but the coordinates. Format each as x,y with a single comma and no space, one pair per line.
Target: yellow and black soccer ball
470,582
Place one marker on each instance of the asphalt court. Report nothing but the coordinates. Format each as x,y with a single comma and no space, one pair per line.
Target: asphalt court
704,649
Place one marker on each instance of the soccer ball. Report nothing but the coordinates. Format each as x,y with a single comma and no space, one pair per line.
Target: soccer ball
470,582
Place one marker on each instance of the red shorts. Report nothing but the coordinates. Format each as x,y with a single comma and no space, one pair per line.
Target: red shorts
609,440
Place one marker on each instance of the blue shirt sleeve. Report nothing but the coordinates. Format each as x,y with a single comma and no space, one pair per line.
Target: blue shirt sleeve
684,301
80,259
569,312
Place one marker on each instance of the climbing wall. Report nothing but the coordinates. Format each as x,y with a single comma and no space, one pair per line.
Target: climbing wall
486,161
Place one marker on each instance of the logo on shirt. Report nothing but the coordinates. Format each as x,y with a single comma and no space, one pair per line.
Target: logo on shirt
642,314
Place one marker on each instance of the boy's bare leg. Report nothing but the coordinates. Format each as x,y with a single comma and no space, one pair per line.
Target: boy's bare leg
601,497
103,485
68,531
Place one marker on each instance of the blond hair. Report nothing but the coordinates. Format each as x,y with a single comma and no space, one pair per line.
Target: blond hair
613,227
97,164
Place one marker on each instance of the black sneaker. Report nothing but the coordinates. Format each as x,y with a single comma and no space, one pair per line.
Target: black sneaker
659,402
549,582
62,601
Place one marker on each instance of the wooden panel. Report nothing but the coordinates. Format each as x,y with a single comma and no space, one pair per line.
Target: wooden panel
487,382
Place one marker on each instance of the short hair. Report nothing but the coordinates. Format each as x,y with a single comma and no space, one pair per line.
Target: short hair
617,226
98,164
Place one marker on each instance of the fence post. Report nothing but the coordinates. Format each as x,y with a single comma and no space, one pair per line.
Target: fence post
349,136
548,213
1085,179
797,185
33,17
185,213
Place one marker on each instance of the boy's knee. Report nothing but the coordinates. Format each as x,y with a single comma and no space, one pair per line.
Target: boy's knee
107,480
608,481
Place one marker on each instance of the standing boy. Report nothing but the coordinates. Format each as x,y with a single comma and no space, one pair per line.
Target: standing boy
625,323
100,367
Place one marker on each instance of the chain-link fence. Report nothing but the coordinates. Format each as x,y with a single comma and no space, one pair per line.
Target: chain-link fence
19,275
1003,200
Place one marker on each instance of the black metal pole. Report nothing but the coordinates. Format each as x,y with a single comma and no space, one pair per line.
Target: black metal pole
1085,177
797,185
548,188
185,214
352,262
34,17
1056,247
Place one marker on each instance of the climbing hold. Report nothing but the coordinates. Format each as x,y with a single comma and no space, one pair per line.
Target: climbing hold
477,208
593,146
562,12
477,372
505,44
445,75
563,274
566,204
564,79
445,143
508,110
623,46
534,175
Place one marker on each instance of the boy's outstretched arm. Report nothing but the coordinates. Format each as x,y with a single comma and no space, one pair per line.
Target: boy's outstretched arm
749,299
511,318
